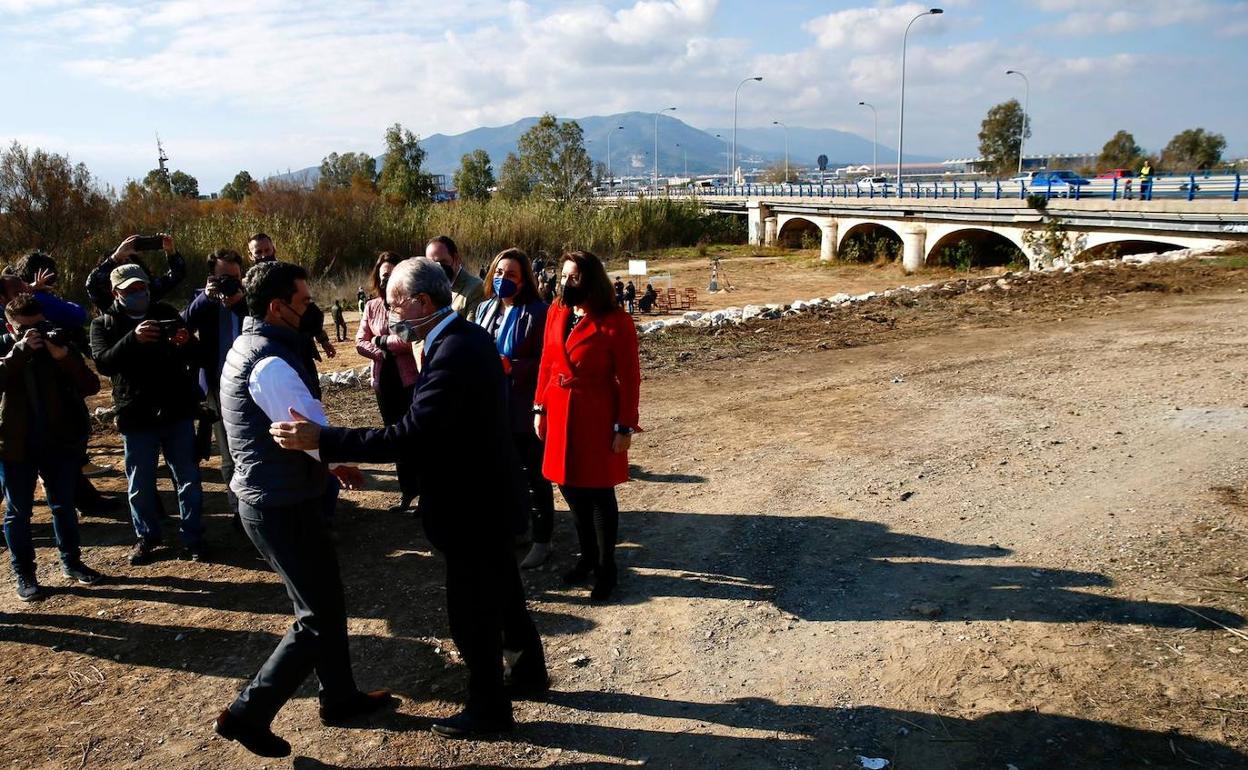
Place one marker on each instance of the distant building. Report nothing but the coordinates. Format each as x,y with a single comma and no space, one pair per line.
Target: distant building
1030,163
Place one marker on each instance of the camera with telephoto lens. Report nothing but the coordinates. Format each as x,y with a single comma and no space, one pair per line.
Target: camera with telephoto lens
222,287
52,333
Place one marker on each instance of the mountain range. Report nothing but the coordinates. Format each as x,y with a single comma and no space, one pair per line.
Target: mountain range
632,146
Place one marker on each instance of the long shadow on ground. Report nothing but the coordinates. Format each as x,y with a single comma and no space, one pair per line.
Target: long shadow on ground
829,569
794,736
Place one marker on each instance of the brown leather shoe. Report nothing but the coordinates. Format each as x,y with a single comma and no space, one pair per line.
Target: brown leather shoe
361,704
258,740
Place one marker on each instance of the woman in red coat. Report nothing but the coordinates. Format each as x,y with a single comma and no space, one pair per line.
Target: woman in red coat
586,410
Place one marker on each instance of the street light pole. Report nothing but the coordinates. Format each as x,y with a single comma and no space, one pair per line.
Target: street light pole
732,168
656,145
686,151
875,138
786,148
727,175
1026,114
610,175
901,116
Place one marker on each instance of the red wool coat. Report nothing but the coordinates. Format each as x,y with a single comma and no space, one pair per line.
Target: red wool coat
588,385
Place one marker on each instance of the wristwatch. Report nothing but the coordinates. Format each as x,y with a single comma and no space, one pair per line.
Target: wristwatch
623,430
539,409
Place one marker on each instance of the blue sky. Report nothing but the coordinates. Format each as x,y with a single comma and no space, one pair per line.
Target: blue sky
268,85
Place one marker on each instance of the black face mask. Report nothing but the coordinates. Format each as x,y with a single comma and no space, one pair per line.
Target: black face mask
312,320
573,294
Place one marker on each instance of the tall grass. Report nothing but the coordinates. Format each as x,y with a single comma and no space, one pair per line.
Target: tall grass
337,234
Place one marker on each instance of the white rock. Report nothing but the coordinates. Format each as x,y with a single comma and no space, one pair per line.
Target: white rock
651,327
693,315
751,311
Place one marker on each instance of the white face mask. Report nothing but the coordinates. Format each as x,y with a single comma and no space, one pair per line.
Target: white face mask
417,330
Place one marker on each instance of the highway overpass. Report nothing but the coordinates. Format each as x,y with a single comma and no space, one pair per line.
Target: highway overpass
1097,226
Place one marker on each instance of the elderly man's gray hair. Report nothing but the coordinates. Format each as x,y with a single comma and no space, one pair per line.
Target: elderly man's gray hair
419,275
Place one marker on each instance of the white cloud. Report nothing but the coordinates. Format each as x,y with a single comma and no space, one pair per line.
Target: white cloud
339,73
1101,17
866,29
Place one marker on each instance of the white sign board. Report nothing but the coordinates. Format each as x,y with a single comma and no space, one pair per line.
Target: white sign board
636,267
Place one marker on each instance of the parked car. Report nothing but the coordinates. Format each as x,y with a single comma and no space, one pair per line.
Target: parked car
867,182
1118,173
1025,177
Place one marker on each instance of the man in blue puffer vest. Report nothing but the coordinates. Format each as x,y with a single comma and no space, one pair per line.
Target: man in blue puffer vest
280,499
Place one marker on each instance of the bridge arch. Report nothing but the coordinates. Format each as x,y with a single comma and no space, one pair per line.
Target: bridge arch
975,247
1117,247
868,241
797,232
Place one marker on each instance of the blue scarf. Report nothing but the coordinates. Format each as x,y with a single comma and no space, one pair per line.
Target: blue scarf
506,338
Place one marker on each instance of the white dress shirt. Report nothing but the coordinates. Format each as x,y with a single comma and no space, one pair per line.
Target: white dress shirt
276,388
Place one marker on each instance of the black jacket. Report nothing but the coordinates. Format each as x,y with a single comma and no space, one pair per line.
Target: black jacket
458,431
203,318
99,288
153,383
526,358
42,404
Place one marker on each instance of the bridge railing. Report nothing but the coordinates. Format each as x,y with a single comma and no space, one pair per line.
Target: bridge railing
1177,187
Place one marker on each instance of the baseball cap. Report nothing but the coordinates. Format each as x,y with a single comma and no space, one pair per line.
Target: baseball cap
123,276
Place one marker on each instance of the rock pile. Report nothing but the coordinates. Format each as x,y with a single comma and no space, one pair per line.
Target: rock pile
739,315
347,378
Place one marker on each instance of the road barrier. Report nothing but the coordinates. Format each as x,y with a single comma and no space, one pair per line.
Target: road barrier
1190,187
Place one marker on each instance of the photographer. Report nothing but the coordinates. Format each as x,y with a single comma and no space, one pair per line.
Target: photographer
147,351
43,434
36,274
215,316
158,286
39,272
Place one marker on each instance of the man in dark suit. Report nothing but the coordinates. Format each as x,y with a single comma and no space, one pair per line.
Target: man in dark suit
458,430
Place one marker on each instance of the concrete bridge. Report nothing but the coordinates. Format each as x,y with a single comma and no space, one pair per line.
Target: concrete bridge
926,227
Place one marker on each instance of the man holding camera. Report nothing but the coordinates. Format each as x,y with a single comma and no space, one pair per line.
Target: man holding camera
215,316
43,434
145,348
99,288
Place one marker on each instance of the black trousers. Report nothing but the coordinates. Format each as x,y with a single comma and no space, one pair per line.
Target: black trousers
295,541
530,448
393,400
340,330
487,614
597,516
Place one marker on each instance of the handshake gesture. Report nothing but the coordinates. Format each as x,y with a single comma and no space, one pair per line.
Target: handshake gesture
303,434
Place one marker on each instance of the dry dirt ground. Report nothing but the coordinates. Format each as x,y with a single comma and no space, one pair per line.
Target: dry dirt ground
973,530
756,276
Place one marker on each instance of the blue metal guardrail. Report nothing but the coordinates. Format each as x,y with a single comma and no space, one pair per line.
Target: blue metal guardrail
1190,187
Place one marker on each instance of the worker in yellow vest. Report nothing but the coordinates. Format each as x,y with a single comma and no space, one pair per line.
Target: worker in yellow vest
1146,180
